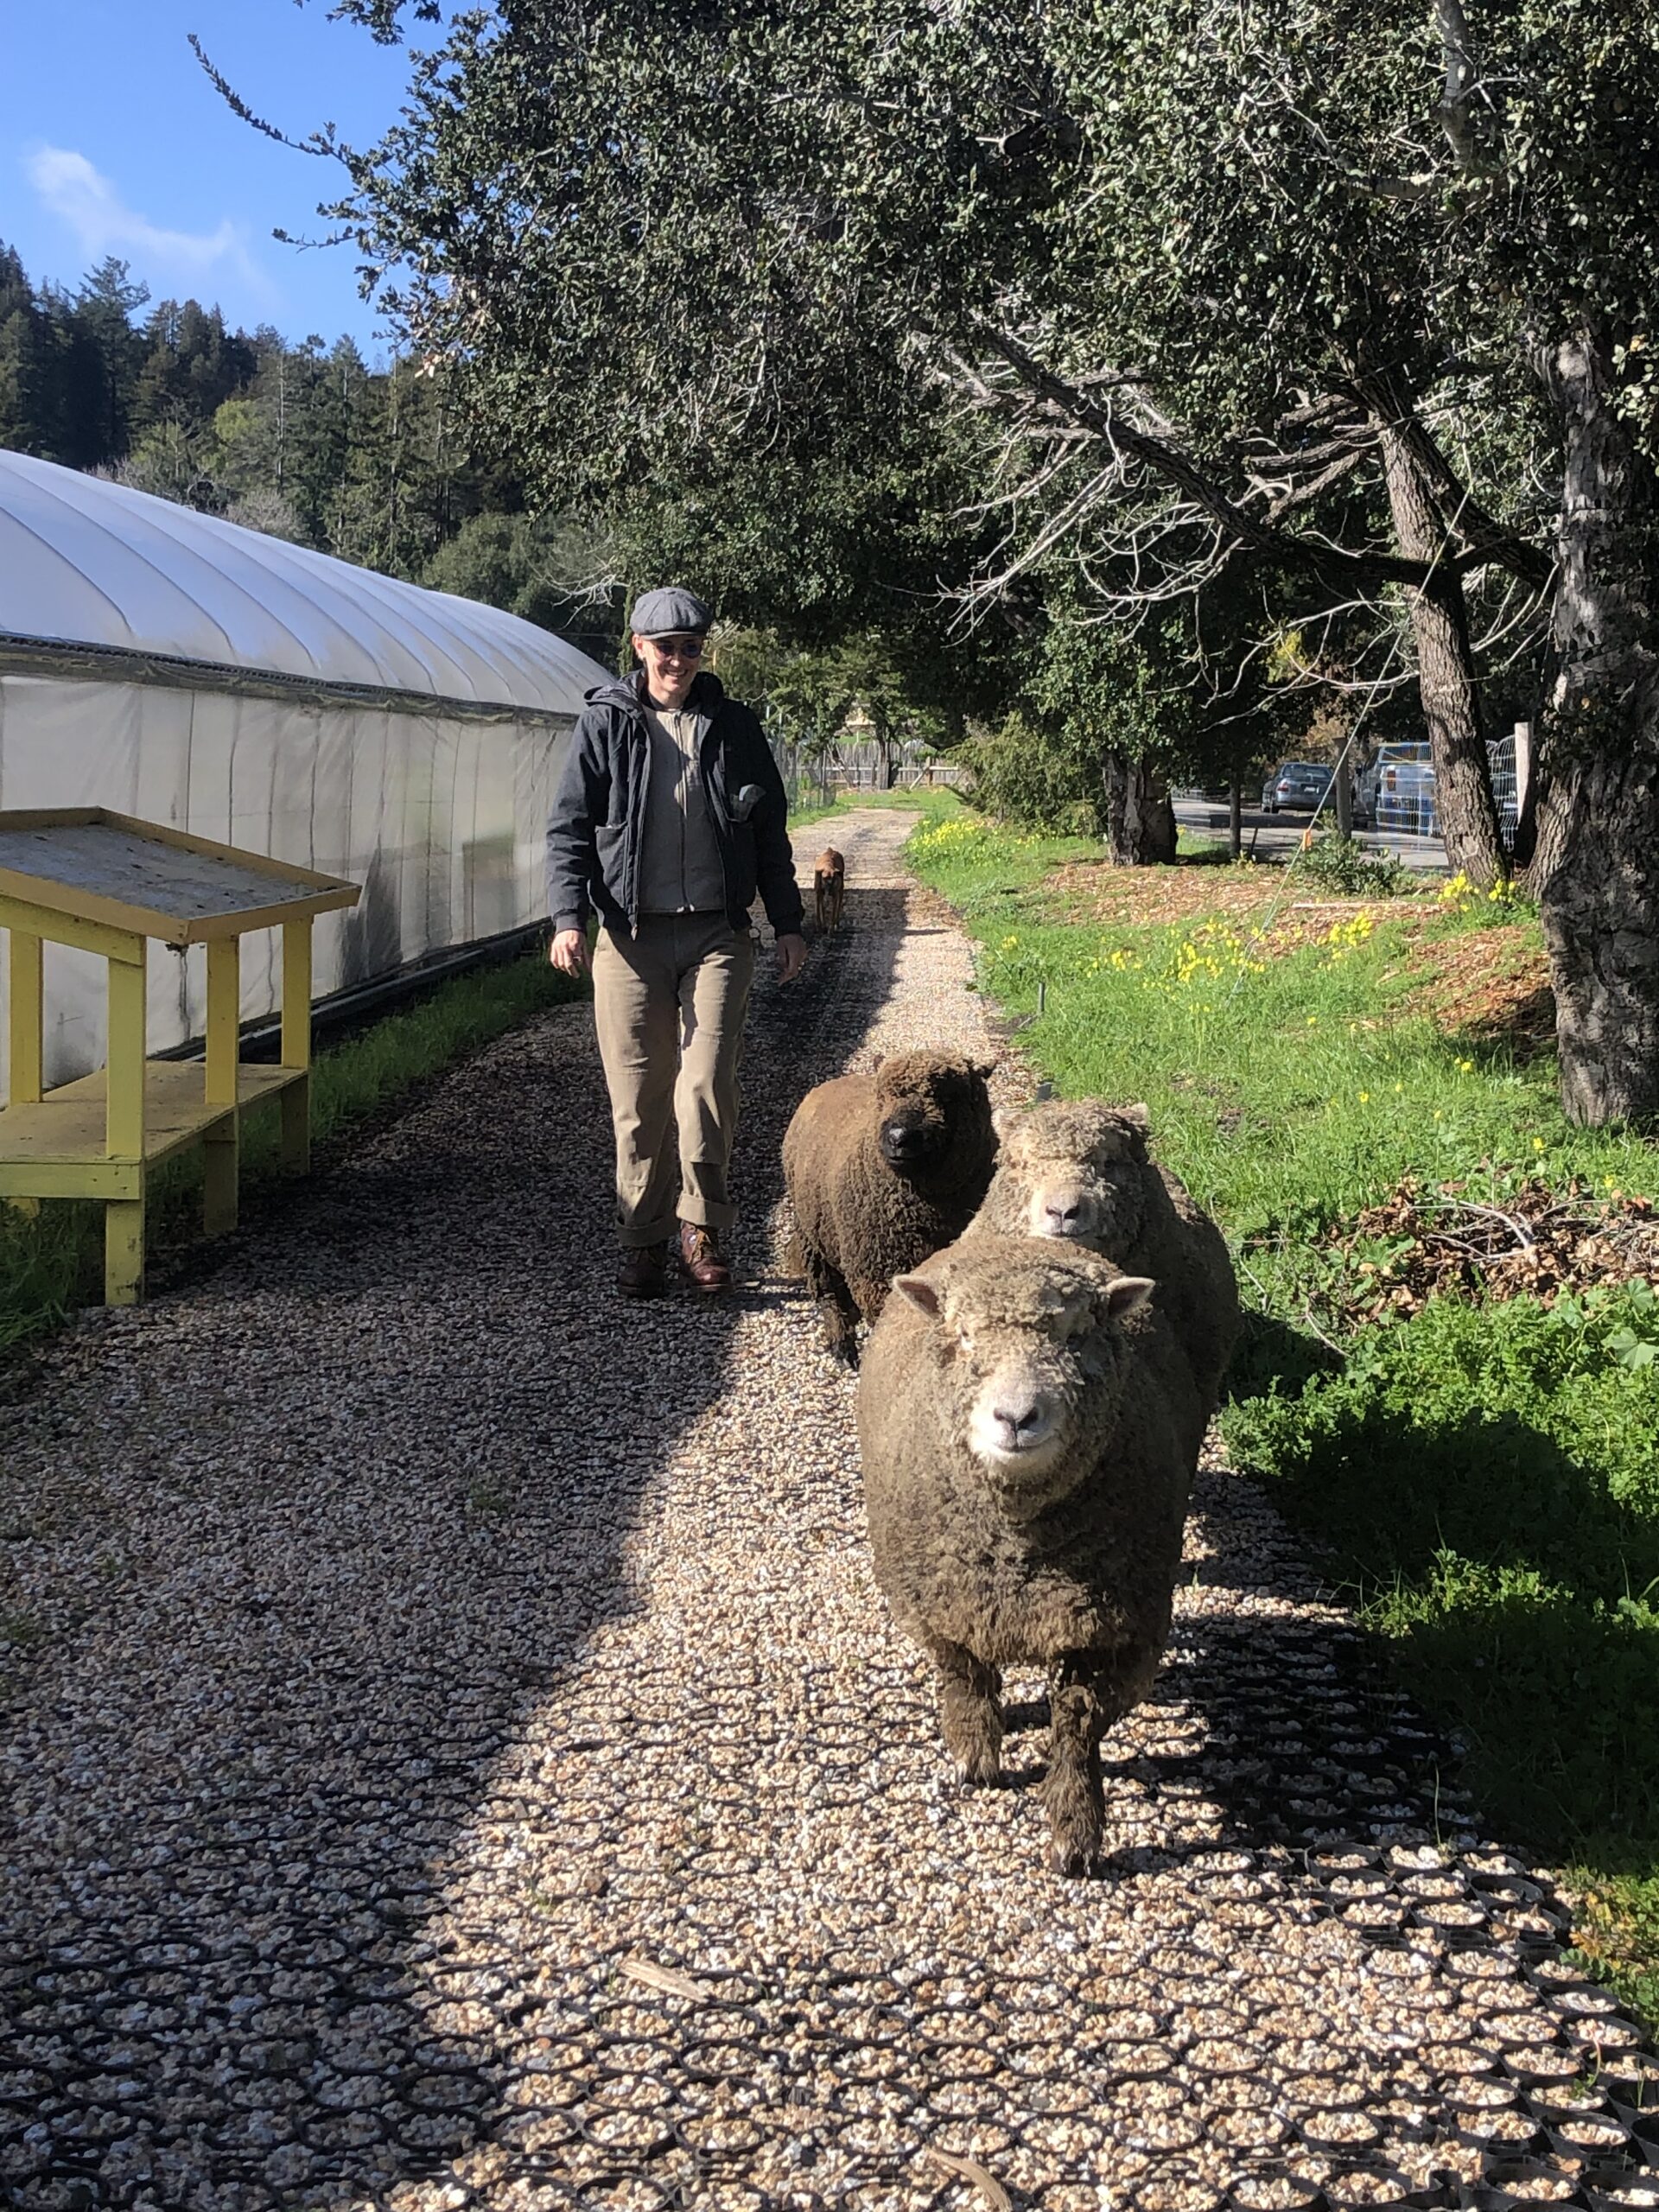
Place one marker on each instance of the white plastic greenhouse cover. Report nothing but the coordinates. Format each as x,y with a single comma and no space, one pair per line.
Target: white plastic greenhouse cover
163,664
92,563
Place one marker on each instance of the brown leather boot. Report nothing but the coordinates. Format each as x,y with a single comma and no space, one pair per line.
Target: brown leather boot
643,1271
701,1257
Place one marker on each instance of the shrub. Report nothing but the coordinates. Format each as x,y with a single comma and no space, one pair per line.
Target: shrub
1035,779
1339,864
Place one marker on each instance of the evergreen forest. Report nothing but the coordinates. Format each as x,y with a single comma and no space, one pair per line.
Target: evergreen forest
303,440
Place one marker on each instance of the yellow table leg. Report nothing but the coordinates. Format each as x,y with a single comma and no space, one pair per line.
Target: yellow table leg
124,1111
123,1220
25,1034
26,1019
123,1252
296,1044
295,1106
220,1145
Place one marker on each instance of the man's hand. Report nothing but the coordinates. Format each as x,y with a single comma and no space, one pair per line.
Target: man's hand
568,951
791,958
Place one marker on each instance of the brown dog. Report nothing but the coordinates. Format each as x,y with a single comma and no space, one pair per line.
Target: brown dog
829,888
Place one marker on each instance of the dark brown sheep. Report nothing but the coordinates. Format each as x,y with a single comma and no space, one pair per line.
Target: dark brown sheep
1079,1169
1029,1430
881,1170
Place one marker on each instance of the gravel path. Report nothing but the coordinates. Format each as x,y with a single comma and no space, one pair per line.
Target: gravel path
457,1756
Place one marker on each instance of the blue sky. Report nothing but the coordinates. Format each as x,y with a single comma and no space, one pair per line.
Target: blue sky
112,141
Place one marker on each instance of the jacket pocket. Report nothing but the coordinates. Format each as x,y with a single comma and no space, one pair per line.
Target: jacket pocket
610,849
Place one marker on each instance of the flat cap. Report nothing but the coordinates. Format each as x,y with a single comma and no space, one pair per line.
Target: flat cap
666,612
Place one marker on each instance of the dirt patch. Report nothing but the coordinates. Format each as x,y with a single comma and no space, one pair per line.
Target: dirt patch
1255,901
1095,891
1539,1243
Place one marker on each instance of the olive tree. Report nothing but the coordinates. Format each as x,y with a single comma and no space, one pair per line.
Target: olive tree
1355,296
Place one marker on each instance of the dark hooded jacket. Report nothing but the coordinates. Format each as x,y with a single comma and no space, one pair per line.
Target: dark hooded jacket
597,825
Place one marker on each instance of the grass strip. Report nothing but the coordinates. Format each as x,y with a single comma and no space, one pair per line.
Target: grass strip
53,1261
1482,1476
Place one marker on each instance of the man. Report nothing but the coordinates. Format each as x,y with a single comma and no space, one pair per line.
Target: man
670,815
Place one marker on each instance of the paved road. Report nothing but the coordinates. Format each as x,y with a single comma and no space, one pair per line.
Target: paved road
456,1756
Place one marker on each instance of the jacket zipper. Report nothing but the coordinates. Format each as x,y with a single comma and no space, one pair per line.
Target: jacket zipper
639,740
717,814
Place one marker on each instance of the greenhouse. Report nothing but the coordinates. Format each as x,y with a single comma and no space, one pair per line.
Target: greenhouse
167,665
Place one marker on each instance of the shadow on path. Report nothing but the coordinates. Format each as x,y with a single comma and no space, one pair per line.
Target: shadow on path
301,1543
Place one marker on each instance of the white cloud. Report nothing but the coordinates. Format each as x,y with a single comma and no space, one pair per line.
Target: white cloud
87,201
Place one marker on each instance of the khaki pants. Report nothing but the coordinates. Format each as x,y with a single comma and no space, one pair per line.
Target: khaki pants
669,1004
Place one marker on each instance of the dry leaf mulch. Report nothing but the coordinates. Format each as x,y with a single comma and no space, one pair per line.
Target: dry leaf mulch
1098,891
1490,986
1539,1242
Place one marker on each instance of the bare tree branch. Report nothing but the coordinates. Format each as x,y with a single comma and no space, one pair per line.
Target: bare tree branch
1485,539
1284,548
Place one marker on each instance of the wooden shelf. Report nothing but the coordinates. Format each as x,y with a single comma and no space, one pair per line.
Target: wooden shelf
66,1129
105,884
102,870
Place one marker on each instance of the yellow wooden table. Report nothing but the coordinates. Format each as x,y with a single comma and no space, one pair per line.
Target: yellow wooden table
106,883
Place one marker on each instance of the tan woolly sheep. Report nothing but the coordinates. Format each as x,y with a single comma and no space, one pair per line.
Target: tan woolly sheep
1078,1169
1029,1430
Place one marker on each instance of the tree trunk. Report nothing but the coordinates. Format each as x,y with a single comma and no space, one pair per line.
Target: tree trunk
884,764
1446,672
1139,819
1595,867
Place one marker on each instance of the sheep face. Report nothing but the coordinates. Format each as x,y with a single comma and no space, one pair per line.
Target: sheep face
926,1103
1028,1358
1080,1171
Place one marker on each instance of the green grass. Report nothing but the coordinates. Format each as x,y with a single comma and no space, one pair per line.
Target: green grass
1289,1092
1488,1481
53,1262
1484,1478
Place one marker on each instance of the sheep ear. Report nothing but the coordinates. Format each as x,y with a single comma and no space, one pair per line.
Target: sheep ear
985,1068
920,1292
1124,1295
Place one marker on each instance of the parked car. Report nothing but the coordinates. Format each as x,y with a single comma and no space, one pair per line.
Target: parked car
1298,787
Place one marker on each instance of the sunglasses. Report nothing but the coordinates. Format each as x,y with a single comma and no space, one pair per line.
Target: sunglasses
680,648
